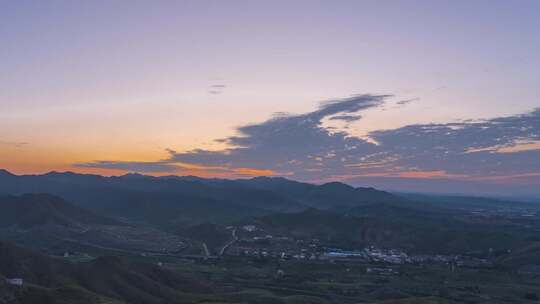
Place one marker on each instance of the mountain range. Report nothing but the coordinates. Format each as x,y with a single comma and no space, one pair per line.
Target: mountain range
171,200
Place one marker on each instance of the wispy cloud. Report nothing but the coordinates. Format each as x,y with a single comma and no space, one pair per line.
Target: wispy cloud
407,101
13,144
216,89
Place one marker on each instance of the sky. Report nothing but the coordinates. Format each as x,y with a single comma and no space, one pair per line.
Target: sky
436,96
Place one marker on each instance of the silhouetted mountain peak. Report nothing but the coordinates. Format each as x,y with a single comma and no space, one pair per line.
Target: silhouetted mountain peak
4,172
58,173
135,175
336,186
269,178
67,176
189,178
272,180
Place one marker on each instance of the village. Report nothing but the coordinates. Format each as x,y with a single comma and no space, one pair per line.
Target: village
252,241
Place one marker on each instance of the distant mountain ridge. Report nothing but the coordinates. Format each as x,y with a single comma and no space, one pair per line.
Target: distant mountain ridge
319,196
168,198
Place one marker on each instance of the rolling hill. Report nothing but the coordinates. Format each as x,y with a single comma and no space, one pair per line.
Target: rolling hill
32,210
57,281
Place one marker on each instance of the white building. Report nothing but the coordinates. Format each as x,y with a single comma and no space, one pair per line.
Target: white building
249,228
15,281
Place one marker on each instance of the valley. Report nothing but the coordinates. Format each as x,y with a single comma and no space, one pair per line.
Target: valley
366,246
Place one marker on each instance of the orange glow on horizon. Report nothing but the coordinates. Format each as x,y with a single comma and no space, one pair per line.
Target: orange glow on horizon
254,172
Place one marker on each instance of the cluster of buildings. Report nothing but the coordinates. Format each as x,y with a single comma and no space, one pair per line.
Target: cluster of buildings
369,254
249,251
255,243
392,256
510,212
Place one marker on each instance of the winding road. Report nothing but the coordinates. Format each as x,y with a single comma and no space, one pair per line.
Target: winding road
235,238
